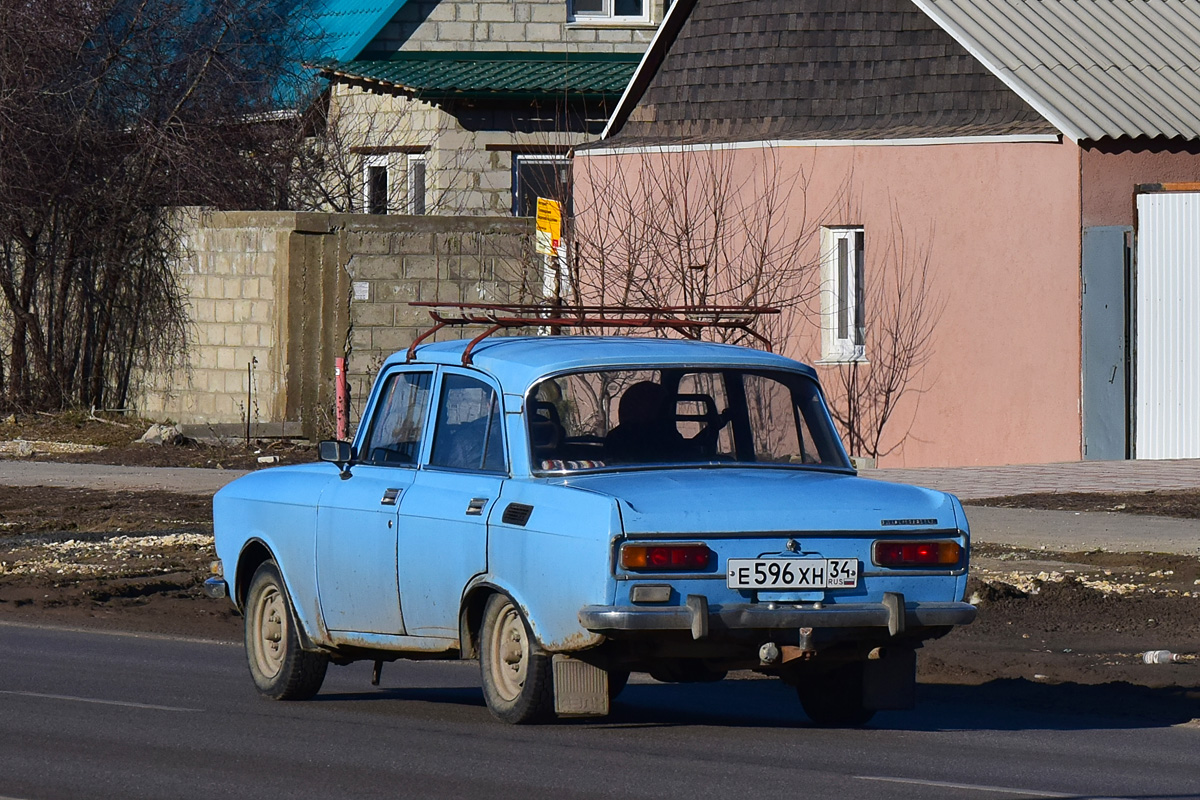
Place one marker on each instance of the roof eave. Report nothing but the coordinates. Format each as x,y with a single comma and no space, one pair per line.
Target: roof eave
441,95
652,59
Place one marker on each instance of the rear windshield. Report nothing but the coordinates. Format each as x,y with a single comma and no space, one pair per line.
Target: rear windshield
615,418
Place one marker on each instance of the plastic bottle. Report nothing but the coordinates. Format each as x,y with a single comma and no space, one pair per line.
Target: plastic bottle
1160,657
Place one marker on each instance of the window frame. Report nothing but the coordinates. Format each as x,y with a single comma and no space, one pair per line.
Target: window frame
380,406
843,324
416,193
439,392
557,159
607,15
369,164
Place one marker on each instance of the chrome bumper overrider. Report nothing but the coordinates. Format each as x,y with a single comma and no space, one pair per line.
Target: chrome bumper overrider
697,616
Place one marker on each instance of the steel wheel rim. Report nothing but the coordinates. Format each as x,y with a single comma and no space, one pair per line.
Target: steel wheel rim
509,654
270,631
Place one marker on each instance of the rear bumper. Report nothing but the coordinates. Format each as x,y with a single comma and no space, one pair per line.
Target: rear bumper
894,614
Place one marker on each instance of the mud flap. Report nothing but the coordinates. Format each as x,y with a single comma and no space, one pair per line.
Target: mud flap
580,689
890,679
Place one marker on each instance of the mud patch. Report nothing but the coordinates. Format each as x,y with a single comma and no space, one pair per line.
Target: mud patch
1182,503
139,581
31,509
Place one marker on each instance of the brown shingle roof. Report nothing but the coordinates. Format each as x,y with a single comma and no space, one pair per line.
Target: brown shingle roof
743,70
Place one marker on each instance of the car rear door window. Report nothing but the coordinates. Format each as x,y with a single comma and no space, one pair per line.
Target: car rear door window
468,432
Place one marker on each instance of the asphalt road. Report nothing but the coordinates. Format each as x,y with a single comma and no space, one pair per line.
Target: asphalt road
87,715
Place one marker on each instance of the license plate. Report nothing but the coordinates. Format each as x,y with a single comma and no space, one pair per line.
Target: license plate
791,573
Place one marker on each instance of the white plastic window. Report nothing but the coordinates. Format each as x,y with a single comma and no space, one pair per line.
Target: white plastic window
843,327
615,10
416,183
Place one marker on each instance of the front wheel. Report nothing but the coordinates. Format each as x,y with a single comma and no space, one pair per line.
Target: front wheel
835,700
280,668
517,682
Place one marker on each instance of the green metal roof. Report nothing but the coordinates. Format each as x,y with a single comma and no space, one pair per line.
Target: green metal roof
507,75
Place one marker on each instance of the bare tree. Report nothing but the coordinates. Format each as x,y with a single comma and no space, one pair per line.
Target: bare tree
698,226
110,112
348,129
902,309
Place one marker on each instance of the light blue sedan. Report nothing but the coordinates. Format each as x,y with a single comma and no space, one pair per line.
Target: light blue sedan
571,509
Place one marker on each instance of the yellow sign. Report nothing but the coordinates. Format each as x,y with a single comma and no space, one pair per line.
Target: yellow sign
548,238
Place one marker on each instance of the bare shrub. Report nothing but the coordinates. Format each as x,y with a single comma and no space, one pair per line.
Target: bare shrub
110,113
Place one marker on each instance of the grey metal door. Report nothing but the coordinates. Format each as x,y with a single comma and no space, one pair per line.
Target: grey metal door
1106,343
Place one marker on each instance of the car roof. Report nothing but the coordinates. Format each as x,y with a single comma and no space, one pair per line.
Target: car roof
520,361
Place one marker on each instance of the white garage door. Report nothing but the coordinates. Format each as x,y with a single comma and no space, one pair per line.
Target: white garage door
1168,325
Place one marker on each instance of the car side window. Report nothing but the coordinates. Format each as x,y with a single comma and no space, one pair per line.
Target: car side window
468,433
395,435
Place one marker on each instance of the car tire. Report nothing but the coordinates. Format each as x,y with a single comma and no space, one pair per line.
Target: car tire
835,700
281,669
518,686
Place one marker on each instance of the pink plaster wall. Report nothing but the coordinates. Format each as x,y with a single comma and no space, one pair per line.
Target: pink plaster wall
1001,225
1109,181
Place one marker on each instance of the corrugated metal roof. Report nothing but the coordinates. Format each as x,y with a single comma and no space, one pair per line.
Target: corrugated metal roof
345,27
1095,68
491,75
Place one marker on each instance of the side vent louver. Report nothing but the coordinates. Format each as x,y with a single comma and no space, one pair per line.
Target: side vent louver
516,514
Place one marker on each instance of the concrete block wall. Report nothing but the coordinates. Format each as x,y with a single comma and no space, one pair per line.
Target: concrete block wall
505,25
275,296
469,152
468,167
452,259
231,274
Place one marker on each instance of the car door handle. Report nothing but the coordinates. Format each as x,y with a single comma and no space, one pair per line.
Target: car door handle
475,507
389,497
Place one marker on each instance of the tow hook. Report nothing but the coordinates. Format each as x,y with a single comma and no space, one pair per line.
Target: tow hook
771,653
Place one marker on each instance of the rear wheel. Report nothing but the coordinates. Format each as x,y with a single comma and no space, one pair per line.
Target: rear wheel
280,668
835,699
517,682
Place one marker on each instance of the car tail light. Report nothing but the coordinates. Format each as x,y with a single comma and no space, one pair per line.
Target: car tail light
916,554
665,557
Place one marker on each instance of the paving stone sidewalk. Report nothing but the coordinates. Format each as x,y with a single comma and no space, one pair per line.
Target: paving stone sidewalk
973,483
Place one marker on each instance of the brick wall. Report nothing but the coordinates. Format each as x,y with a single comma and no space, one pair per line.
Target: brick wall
275,297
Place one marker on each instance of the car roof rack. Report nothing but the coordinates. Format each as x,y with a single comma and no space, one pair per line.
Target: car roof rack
502,316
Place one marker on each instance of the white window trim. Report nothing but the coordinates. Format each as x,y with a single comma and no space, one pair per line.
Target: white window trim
524,158
410,180
368,163
835,348
607,18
